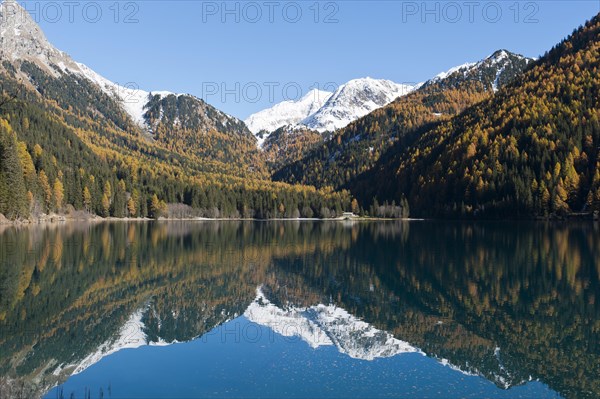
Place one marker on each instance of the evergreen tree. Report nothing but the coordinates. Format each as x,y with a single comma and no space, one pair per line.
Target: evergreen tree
13,194
120,202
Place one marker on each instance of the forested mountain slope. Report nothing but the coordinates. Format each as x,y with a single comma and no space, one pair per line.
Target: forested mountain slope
356,148
52,158
70,139
531,150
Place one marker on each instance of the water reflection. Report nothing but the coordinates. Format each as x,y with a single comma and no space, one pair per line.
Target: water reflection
508,302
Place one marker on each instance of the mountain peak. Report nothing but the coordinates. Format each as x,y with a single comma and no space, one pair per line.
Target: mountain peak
500,54
354,100
494,71
503,55
21,37
286,113
324,111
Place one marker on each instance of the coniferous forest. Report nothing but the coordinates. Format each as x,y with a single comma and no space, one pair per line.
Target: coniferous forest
459,150
59,156
524,144
532,150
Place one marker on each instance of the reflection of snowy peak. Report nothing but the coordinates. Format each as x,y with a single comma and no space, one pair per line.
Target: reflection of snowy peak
318,325
327,325
130,336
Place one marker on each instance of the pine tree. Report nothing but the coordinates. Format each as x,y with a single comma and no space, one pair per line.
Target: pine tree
108,191
158,208
105,203
13,194
131,207
355,207
120,201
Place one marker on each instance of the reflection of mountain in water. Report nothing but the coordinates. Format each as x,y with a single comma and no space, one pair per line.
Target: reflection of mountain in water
505,303
322,325
318,325
132,335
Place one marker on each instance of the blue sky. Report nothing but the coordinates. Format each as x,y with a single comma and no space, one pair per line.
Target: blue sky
245,56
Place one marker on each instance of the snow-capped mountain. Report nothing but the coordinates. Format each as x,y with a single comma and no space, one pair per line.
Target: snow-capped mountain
324,111
22,40
354,100
495,70
287,113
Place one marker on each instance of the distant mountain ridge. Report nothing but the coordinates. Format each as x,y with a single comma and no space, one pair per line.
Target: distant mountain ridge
286,113
326,111
353,100
493,72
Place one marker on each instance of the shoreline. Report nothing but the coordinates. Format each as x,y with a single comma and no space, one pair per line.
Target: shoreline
64,219
50,220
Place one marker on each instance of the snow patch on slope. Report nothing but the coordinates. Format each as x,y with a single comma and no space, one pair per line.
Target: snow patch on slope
464,68
499,59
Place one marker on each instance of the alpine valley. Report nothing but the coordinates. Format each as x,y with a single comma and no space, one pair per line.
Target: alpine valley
505,137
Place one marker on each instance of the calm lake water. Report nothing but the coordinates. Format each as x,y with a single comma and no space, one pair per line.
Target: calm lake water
300,309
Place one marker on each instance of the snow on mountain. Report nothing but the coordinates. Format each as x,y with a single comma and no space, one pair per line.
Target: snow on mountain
288,112
132,99
323,111
464,67
360,97
497,69
21,39
324,325
354,100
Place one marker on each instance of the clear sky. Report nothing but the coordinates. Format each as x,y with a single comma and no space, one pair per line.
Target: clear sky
245,56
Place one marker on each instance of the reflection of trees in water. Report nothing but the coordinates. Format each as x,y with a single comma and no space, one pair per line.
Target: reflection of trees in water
530,289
